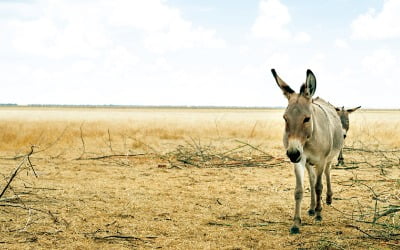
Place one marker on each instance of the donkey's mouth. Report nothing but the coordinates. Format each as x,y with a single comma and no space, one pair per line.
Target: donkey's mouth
294,156
295,160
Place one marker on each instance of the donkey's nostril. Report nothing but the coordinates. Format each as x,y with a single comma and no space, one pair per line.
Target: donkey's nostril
294,155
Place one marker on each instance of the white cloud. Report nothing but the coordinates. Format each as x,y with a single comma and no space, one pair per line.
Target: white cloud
381,63
119,60
341,44
82,28
244,50
84,54
182,36
302,37
382,25
149,15
60,30
165,28
87,51
272,21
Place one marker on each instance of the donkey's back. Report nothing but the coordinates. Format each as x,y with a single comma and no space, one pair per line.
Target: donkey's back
327,139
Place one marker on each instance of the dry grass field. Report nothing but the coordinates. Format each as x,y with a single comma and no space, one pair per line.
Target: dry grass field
186,179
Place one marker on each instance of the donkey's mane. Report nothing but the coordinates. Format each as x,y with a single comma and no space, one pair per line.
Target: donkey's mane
319,100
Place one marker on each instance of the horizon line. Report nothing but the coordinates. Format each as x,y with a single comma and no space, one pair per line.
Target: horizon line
155,106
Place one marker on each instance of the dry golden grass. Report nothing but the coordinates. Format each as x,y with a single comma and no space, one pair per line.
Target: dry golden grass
145,202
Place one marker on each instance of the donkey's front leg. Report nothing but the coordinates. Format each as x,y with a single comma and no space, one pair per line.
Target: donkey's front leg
298,196
329,192
311,175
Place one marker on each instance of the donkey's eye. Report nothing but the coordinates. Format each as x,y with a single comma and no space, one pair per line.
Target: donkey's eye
307,119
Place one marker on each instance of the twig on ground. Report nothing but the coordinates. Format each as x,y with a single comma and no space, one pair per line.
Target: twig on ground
26,160
52,143
391,210
83,142
255,148
123,237
366,233
253,129
110,156
109,141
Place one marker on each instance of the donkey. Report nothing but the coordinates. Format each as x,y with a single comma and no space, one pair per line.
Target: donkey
313,138
344,118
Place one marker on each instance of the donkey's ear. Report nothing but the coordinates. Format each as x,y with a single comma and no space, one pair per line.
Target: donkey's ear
287,91
337,109
354,109
309,87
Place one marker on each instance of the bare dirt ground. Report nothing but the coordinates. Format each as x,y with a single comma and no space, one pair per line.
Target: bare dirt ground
180,179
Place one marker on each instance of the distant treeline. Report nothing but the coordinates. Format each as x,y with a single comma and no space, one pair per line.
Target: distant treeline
134,106
8,104
146,106
156,106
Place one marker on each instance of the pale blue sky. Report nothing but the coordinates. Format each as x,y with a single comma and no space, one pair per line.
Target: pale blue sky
176,52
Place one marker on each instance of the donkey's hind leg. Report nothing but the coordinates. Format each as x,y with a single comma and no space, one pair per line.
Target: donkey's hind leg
318,190
340,159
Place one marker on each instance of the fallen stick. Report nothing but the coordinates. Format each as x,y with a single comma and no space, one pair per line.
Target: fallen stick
109,156
26,158
387,212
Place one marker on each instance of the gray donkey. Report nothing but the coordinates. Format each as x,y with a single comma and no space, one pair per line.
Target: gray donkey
313,138
344,118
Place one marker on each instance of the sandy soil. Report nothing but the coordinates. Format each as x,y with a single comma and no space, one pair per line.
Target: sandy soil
150,199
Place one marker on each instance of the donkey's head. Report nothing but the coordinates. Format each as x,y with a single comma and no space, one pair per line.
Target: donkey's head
344,118
298,115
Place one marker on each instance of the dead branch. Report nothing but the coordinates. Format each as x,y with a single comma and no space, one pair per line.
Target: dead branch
110,156
109,141
15,172
214,223
8,199
391,210
83,142
196,154
364,232
370,150
123,237
255,148
385,236
30,165
52,143
216,127
148,146
24,207
254,128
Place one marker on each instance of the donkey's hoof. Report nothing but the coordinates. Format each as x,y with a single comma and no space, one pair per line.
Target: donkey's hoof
294,230
311,212
328,200
318,218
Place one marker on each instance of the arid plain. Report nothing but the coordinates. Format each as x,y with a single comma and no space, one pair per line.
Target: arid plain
123,178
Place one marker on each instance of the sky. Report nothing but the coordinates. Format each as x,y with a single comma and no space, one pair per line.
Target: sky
198,53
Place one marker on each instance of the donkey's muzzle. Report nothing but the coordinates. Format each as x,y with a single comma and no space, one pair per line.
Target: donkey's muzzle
294,155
